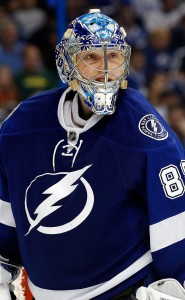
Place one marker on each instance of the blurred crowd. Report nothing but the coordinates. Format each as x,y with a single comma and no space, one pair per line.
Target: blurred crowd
155,31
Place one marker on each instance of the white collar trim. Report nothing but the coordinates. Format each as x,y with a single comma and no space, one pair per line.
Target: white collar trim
88,124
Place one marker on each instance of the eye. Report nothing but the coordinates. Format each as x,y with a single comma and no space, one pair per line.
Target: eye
90,57
116,57
112,55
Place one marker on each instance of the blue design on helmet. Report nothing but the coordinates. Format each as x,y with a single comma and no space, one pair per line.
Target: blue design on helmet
92,32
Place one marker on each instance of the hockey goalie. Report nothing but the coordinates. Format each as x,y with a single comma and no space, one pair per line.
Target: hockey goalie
92,181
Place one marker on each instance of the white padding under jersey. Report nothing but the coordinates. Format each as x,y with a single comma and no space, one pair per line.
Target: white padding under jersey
6,215
5,278
165,289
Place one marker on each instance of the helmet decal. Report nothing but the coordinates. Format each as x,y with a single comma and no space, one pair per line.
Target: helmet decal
101,26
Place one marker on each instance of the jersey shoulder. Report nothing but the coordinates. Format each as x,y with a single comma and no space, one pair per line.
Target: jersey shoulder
136,123
35,112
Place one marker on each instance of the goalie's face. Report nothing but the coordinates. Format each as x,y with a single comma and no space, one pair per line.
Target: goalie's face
100,66
99,72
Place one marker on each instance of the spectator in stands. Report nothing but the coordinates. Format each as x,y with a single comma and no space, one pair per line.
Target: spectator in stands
10,46
137,74
159,52
177,79
168,16
75,8
171,98
143,7
9,94
13,6
29,17
3,14
46,38
136,35
157,84
35,77
178,32
176,119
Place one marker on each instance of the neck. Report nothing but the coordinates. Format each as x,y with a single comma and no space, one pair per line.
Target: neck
84,111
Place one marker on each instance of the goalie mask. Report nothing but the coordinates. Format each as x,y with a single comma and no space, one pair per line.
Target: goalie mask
93,58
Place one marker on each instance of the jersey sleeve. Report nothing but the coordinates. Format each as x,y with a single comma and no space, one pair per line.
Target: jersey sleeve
166,209
8,236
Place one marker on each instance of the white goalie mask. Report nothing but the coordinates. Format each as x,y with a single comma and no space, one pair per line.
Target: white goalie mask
93,58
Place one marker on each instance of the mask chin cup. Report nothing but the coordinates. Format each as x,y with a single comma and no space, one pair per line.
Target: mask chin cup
104,104
100,103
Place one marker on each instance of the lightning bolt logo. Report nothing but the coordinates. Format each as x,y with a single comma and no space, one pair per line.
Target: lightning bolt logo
57,192
150,126
154,126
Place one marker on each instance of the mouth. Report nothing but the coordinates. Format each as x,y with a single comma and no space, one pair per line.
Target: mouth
102,79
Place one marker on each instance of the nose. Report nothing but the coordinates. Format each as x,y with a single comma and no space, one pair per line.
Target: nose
101,64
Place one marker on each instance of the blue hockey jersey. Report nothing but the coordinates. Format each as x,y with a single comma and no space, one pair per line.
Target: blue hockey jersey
90,211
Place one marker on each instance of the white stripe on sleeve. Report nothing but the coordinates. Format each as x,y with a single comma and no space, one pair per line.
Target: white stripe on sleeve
6,215
167,232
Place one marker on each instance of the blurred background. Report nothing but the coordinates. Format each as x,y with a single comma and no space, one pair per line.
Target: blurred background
30,29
